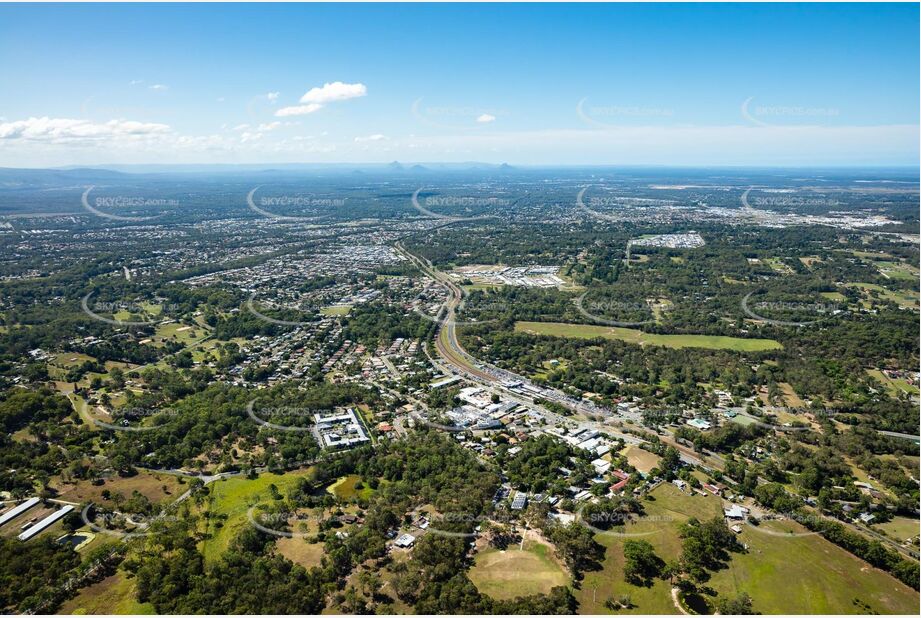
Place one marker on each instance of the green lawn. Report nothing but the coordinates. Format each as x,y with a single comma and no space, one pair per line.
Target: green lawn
898,271
783,574
779,265
473,287
298,550
344,488
630,335
233,498
900,528
176,331
336,310
510,573
808,575
893,386
670,508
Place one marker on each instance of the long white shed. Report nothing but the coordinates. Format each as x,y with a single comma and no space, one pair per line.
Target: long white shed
18,510
41,525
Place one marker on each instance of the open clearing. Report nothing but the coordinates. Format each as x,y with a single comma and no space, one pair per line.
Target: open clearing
630,335
510,573
336,310
641,459
229,501
115,594
670,508
155,487
823,579
177,332
345,488
299,551
900,528
898,271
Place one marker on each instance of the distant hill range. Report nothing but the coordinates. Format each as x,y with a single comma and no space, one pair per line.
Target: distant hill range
13,178
394,166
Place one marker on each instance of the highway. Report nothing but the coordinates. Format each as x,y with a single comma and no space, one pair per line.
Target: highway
450,349
492,378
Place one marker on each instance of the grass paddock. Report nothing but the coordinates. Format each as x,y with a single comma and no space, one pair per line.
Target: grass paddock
513,572
631,335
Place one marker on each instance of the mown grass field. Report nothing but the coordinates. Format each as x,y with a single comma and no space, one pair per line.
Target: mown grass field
901,528
176,331
233,497
660,528
510,573
784,574
336,310
898,270
630,335
807,574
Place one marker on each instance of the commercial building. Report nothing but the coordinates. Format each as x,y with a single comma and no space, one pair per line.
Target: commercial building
340,430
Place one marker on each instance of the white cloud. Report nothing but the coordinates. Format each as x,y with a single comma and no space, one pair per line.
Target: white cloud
262,128
159,87
135,82
336,91
485,118
272,96
298,110
44,142
315,98
64,129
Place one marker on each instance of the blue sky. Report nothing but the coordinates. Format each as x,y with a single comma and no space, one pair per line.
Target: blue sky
666,84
